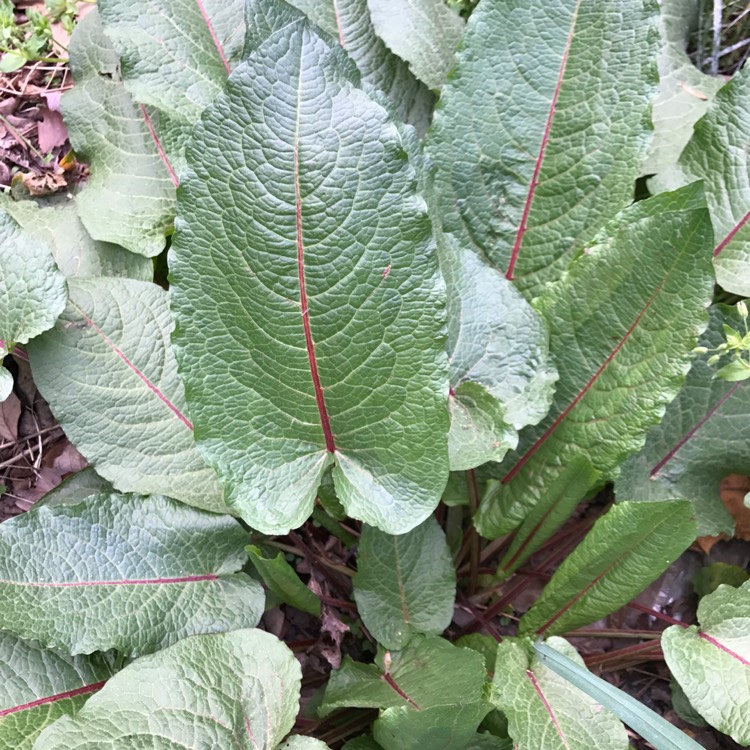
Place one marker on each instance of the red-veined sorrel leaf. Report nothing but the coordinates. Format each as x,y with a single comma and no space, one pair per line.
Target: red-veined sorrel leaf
109,374
125,572
231,690
627,548
544,710
528,169
621,330
39,686
702,438
130,197
712,663
310,322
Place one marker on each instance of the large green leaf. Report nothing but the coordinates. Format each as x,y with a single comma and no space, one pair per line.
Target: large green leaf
124,572
56,222
76,488
175,56
310,329
233,690
501,374
39,686
712,663
545,712
528,169
684,92
32,290
702,438
405,584
109,374
719,154
628,548
425,33
349,22
623,322
129,198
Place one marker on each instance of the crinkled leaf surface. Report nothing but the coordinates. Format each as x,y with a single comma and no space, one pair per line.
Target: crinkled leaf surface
349,22
281,579
719,154
712,663
232,690
501,374
57,223
623,322
545,712
702,438
425,33
109,374
627,548
175,56
405,584
684,91
528,170
124,572
39,686
298,742
310,326
428,672
129,198
32,290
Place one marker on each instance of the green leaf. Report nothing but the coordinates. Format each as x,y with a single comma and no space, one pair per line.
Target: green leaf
528,169
110,377
425,33
428,672
32,290
623,323
12,61
735,371
712,664
347,368
56,222
684,92
130,198
501,375
405,584
39,686
546,517
6,385
175,56
233,690
719,154
701,439
349,22
708,579
652,727
362,743
124,572
298,742
627,548
282,580
545,712
76,488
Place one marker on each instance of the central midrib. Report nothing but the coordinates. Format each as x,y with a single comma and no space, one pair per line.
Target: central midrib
304,306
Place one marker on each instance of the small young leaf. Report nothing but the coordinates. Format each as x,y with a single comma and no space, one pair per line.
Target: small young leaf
702,438
622,330
652,727
129,199
32,290
76,488
405,584
712,664
719,154
282,580
315,316
425,33
528,169
232,690
39,686
628,548
109,374
124,572
545,712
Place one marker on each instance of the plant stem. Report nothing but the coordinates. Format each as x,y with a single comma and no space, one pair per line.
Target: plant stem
471,485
